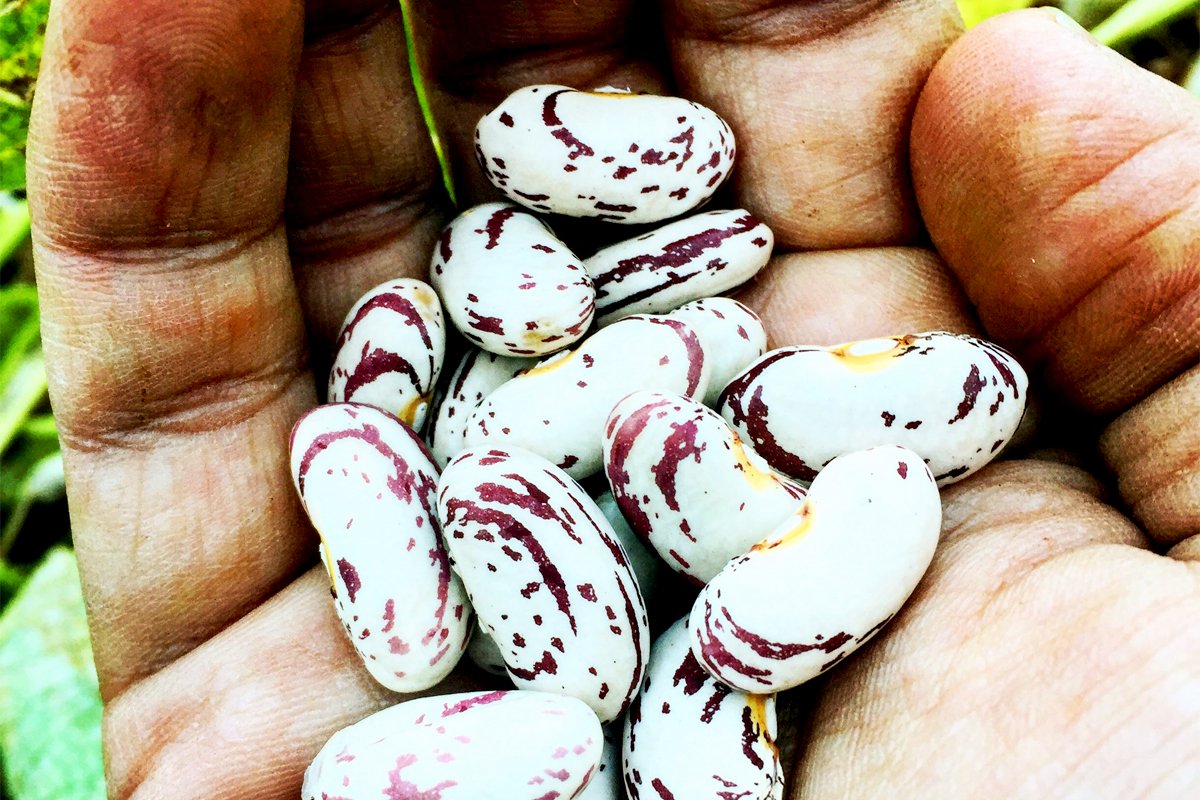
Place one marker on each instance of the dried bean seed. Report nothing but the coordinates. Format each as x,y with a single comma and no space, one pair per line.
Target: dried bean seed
369,485
609,154
390,351
548,577
846,560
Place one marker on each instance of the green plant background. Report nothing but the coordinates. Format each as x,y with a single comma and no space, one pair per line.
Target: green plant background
50,707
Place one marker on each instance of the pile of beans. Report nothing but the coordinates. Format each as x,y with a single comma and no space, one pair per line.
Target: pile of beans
806,473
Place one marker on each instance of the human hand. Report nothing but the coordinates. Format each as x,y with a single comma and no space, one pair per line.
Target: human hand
214,184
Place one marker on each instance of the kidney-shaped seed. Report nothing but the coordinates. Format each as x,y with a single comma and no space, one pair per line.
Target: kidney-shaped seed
509,285
688,736
548,577
369,487
689,259
478,374
954,399
515,745
845,562
390,351
558,408
732,335
688,486
608,154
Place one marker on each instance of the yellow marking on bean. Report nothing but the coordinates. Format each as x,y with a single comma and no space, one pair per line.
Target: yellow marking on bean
426,298
758,715
408,414
551,364
759,480
328,559
791,535
871,355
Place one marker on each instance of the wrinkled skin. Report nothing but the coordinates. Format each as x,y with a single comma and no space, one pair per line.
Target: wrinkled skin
214,183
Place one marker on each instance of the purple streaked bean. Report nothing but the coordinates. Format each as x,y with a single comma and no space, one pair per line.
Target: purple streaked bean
688,486
509,285
689,737
955,399
689,259
515,745
547,575
732,334
846,561
558,408
369,487
390,351
609,154
478,374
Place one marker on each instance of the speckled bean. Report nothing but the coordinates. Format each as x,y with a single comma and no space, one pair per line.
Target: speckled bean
509,285
558,408
733,337
549,580
511,745
954,399
369,487
688,486
478,374
700,256
608,154
390,351
846,561
688,737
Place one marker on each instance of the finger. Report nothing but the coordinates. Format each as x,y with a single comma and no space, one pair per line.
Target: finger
1187,550
1154,449
1060,182
819,95
173,335
1042,656
219,724
585,45
365,200
838,296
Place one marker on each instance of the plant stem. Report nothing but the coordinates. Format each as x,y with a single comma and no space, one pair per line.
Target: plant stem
418,80
1139,16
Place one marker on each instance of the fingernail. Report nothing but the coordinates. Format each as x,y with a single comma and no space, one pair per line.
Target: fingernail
1068,22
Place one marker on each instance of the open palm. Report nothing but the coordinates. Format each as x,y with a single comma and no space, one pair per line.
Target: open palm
214,184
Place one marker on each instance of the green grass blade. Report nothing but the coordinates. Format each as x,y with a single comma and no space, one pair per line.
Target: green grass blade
418,80
1138,17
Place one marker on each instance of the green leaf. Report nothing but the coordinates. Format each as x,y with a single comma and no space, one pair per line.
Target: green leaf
50,705
22,26
976,11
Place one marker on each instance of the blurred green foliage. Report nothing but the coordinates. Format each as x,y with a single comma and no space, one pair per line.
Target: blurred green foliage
49,700
22,23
